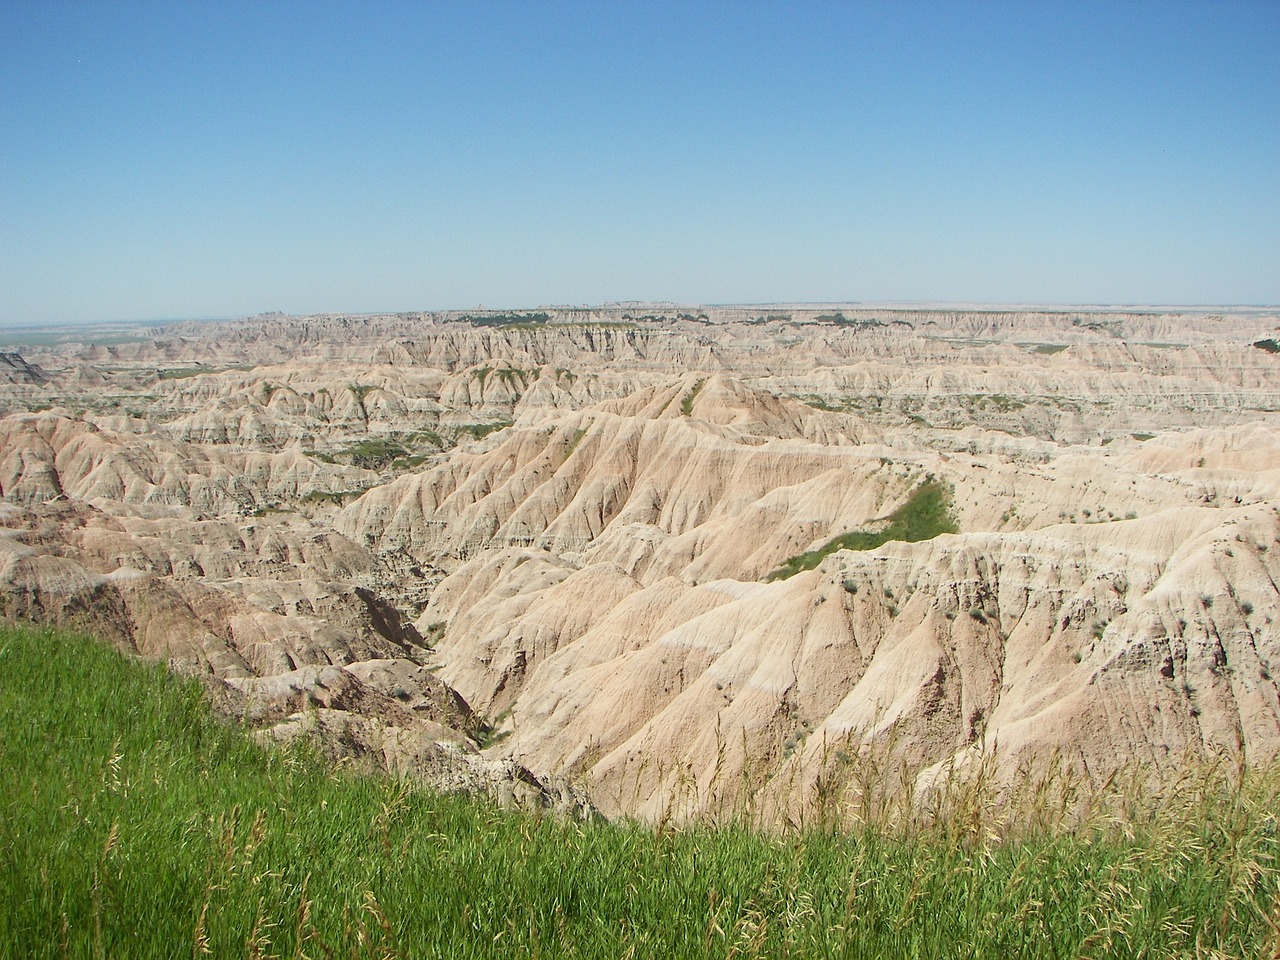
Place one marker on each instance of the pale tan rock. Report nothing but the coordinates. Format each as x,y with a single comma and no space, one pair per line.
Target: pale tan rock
583,588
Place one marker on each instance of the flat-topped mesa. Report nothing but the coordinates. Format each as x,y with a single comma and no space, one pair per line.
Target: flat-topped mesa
412,341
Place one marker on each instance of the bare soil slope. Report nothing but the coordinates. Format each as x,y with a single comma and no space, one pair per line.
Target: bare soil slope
531,550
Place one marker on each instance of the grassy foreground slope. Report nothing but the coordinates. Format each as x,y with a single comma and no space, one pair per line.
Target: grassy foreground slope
134,824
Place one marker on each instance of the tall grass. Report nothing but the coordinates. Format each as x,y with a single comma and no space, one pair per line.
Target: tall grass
134,824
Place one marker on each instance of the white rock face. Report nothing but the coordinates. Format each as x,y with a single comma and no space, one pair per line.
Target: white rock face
420,533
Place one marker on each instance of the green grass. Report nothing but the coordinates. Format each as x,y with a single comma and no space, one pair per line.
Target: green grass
574,439
512,376
410,462
184,373
1000,401
925,515
478,431
523,320
335,497
374,453
133,824
840,320
818,403
603,326
541,321
686,404
419,437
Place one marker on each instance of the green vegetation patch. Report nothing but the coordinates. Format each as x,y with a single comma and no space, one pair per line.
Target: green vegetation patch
410,462
335,497
374,453
686,405
506,319
513,377
818,403
184,373
924,516
478,431
134,824
999,401
1269,345
840,320
540,320
574,439
601,325
420,437
397,451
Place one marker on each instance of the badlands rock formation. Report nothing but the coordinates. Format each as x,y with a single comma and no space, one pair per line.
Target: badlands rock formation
539,553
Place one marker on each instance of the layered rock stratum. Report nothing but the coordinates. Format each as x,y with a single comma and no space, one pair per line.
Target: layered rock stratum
544,553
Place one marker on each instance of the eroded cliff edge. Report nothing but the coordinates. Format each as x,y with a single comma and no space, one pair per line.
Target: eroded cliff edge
533,555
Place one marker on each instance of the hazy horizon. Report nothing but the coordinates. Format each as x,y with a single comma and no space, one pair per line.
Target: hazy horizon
222,160
904,305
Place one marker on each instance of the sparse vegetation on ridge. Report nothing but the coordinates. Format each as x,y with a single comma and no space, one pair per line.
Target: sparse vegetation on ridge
396,451
335,497
133,823
185,373
478,431
522,319
925,515
574,439
840,320
686,404
374,453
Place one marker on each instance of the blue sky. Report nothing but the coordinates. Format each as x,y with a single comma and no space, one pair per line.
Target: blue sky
191,159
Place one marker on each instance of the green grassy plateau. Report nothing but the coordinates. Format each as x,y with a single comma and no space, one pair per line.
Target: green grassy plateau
134,824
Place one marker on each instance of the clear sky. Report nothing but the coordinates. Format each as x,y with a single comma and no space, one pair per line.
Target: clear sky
191,159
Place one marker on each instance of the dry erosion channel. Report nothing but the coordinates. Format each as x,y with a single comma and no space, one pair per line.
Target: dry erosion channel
672,562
